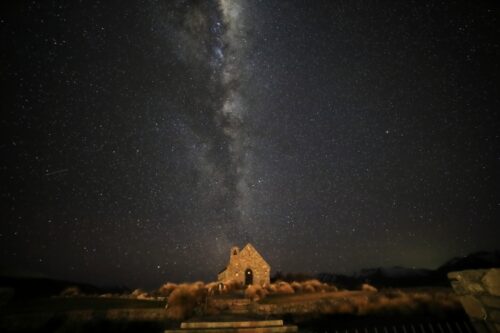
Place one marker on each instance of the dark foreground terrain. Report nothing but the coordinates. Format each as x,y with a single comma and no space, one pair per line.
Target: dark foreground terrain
396,300
378,312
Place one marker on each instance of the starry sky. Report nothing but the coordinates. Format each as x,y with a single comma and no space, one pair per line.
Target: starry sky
140,140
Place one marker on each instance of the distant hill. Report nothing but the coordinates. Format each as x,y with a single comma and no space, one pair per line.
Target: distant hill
409,277
33,287
36,285
475,260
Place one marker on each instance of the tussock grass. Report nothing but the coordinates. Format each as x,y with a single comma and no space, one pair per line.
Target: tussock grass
368,302
255,292
71,292
368,287
184,299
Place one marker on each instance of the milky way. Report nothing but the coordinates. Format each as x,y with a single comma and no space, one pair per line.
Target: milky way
221,29
233,112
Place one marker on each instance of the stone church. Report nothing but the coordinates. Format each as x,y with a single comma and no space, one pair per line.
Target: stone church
246,267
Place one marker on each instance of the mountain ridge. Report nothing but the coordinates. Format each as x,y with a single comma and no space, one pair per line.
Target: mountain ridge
398,276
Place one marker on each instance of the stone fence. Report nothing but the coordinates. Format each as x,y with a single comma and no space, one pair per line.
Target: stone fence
479,293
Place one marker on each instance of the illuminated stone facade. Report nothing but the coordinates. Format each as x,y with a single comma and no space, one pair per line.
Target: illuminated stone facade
246,267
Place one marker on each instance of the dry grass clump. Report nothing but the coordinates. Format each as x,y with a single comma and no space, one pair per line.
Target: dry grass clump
137,292
271,288
255,292
402,304
184,299
232,286
295,287
368,287
212,288
312,286
394,302
283,288
71,292
167,289
280,288
446,300
141,295
335,307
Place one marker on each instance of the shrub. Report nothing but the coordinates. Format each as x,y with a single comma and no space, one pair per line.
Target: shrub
137,292
297,287
307,288
212,288
167,289
232,286
311,286
283,288
140,294
255,292
331,287
184,299
144,296
71,292
393,293
369,288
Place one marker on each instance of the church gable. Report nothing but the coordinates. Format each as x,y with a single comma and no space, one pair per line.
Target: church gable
251,254
246,267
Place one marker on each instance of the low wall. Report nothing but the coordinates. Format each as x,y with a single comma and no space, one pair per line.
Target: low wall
479,293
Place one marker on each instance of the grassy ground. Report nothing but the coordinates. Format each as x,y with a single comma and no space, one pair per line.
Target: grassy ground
84,314
309,297
429,292
64,304
313,310
350,310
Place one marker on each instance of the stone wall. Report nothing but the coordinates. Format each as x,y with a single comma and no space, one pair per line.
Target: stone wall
479,293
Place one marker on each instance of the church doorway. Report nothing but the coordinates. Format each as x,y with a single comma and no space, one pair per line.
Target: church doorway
248,277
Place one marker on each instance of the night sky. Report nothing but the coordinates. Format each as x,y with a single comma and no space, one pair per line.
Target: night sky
141,140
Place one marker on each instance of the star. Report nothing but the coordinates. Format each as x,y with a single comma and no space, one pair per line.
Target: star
328,135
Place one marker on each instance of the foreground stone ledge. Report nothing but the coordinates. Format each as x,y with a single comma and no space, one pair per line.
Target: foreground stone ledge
491,301
274,329
479,294
223,324
491,281
258,326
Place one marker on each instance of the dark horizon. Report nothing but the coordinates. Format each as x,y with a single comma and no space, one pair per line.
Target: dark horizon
141,141
26,274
